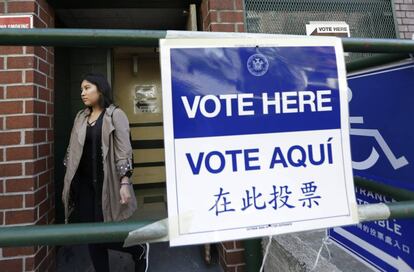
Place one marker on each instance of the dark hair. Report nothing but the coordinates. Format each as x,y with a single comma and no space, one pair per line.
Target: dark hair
103,87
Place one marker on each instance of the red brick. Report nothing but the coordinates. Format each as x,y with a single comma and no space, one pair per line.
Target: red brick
1,63
234,257
1,159
44,208
33,76
21,91
44,67
7,77
20,216
24,121
50,136
239,4
50,108
221,4
240,28
228,245
44,122
44,178
231,16
1,7
42,220
52,70
43,266
50,85
9,138
10,169
20,185
35,136
12,265
41,254
11,201
44,16
44,150
8,50
1,124
37,23
34,106
1,218
212,17
35,167
11,107
19,251
222,27
238,244
22,6
44,5
21,153
2,93
227,268
23,62
29,200
44,94
41,194
29,264
38,51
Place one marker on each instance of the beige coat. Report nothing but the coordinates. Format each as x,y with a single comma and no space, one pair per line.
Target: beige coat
117,159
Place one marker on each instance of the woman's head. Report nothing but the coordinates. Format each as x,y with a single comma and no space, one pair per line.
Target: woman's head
95,90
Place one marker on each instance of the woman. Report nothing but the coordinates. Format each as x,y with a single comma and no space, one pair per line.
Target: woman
98,165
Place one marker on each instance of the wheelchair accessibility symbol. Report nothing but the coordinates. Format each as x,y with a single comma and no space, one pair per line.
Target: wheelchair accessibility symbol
374,156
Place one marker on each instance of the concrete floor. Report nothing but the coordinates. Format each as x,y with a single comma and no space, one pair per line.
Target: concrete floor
162,258
152,206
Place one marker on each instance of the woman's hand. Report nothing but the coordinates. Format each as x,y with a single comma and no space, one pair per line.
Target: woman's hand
125,191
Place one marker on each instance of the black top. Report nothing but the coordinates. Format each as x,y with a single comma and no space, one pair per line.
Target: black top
88,181
90,166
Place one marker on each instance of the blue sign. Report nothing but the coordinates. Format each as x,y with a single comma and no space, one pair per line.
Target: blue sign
382,147
256,137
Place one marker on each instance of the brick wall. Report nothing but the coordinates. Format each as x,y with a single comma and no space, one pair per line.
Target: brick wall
222,15
26,138
226,16
231,256
404,13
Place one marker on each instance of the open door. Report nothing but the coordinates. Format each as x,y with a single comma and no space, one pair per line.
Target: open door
137,90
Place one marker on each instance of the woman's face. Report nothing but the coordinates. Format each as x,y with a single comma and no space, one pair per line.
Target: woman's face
89,93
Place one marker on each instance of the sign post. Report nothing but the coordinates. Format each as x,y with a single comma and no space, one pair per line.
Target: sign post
256,137
382,150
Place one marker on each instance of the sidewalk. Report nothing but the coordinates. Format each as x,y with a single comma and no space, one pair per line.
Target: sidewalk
162,258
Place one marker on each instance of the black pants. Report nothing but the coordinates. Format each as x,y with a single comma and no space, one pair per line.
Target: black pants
88,209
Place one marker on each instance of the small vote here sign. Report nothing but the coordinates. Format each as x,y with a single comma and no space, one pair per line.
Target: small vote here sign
256,137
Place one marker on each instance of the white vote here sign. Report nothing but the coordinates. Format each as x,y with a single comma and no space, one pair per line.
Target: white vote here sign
256,137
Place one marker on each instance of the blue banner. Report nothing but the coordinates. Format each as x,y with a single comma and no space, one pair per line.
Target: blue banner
382,150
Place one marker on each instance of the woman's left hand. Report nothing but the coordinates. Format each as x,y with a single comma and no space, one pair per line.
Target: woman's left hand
125,193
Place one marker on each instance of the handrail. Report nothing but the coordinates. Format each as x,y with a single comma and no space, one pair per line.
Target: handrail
145,38
83,233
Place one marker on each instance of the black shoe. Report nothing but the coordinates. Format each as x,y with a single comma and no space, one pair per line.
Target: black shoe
140,259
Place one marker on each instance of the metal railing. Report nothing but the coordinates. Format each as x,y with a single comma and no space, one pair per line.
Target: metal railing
118,231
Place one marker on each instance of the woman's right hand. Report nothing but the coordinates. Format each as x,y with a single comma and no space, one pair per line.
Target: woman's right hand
125,193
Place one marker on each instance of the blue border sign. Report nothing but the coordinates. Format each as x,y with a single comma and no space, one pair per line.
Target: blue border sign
382,149
256,137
